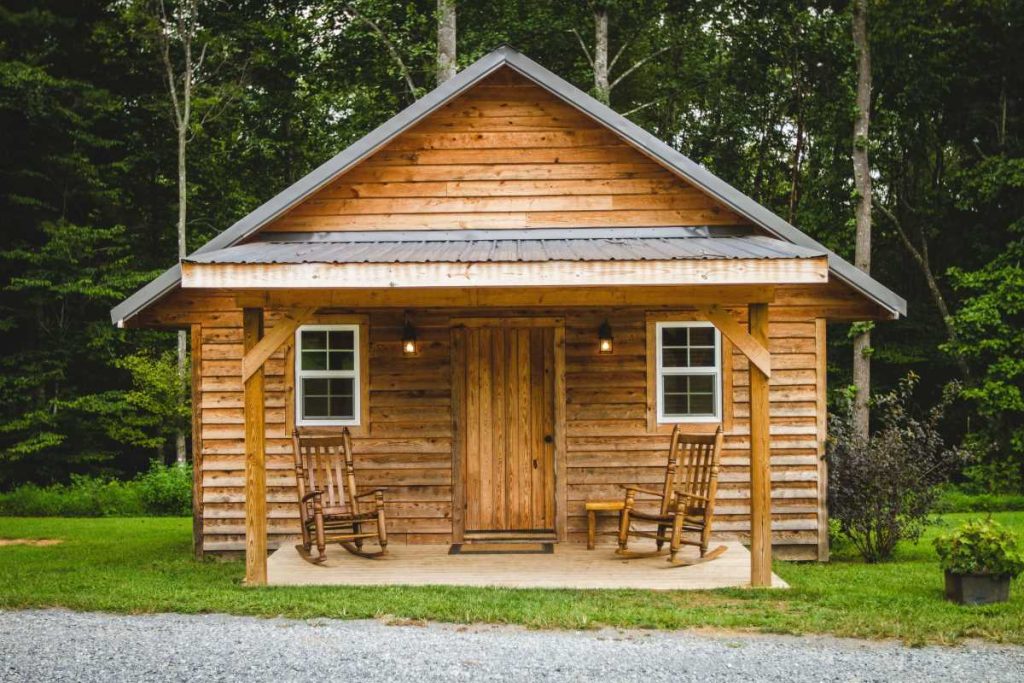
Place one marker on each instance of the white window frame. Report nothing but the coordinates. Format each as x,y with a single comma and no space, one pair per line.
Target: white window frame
661,371
354,374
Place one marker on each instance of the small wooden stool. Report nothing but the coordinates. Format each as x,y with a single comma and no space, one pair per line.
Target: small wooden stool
593,507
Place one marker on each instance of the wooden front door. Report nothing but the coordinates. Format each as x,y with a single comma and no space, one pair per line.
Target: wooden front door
505,415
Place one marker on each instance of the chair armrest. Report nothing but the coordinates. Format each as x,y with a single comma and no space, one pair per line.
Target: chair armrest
312,494
686,494
371,492
639,489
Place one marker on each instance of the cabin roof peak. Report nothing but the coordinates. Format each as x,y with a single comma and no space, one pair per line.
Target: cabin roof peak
506,56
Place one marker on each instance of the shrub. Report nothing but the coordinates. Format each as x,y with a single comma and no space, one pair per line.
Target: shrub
165,490
160,491
882,489
980,547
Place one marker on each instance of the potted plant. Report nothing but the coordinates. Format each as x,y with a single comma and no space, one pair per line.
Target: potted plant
980,559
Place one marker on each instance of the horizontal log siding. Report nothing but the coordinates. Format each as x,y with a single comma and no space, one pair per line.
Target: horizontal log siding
506,154
407,445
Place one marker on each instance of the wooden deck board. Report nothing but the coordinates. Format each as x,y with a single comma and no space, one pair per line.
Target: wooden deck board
570,566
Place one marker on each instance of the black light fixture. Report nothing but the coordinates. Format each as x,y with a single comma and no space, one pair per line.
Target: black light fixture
409,345
605,341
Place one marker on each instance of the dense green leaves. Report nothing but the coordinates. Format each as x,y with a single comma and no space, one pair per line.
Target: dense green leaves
762,93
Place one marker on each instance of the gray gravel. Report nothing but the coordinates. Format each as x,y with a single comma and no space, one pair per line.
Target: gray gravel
57,645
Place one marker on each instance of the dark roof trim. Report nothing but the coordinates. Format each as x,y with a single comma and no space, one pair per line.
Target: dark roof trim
506,56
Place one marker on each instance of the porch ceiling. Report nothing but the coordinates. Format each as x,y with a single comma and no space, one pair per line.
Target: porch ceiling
682,256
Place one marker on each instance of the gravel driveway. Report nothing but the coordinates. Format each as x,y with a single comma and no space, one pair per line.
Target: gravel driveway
56,645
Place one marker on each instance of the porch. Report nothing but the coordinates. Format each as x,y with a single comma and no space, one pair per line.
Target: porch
570,565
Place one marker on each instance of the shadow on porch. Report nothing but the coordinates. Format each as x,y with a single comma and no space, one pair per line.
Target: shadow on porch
569,566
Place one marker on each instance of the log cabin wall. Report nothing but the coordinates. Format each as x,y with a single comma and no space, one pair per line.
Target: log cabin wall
506,154
407,443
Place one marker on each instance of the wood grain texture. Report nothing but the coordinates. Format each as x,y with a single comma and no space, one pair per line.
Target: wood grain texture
760,458
505,156
408,442
255,458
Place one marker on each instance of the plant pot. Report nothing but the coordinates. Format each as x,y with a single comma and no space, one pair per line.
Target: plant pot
977,589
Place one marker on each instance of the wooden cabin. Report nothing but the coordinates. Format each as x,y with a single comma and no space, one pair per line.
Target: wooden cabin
510,294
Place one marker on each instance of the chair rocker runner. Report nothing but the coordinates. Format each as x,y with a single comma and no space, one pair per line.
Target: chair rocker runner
329,504
687,500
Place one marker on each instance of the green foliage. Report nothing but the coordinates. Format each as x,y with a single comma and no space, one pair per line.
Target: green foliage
980,547
162,490
955,499
882,489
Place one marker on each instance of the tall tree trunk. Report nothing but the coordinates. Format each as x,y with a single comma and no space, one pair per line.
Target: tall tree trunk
446,34
862,182
602,87
180,450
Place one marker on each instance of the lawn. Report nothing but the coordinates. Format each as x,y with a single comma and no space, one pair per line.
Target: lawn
143,565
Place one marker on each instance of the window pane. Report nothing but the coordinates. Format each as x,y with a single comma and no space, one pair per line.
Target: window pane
314,387
341,387
702,336
673,336
702,357
342,340
702,404
673,358
675,384
342,360
314,340
675,405
314,360
341,407
704,384
314,406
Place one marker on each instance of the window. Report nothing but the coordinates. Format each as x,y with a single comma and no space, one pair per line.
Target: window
327,375
689,379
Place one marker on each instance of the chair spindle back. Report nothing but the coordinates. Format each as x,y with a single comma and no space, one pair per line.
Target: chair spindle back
692,466
324,463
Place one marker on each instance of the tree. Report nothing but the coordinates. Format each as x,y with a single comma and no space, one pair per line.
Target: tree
446,53
183,53
862,213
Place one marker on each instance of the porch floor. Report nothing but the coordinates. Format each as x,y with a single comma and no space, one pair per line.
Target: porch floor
570,566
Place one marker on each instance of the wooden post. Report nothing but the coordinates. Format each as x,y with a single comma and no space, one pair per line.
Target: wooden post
760,469
255,459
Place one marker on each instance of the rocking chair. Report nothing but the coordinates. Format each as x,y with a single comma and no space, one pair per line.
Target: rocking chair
329,505
687,500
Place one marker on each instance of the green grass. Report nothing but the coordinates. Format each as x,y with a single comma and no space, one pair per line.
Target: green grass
139,565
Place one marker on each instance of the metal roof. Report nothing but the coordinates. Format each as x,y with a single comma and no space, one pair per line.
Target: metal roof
507,57
495,249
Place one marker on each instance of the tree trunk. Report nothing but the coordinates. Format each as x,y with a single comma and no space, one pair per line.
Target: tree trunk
180,450
862,183
602,88
446,34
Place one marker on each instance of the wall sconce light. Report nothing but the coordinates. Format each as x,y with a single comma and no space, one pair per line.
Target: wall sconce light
605,341
409,345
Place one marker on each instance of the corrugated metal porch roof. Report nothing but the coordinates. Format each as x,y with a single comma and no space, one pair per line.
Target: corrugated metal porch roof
486,247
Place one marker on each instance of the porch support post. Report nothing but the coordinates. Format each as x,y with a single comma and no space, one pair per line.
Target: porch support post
760,470
255,458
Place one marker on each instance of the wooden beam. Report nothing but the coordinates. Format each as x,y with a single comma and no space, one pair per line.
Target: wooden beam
197,441
504,274
760,455
821,408
255,458
466,297
753,349
256,356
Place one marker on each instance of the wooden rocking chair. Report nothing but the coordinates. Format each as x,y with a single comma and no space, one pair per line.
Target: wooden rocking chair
687,500
329,505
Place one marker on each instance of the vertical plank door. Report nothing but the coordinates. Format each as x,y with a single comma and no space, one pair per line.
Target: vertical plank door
507,427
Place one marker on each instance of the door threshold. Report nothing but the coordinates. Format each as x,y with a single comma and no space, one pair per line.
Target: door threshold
516,536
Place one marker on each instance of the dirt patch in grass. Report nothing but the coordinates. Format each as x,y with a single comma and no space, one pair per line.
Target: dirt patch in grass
29,541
